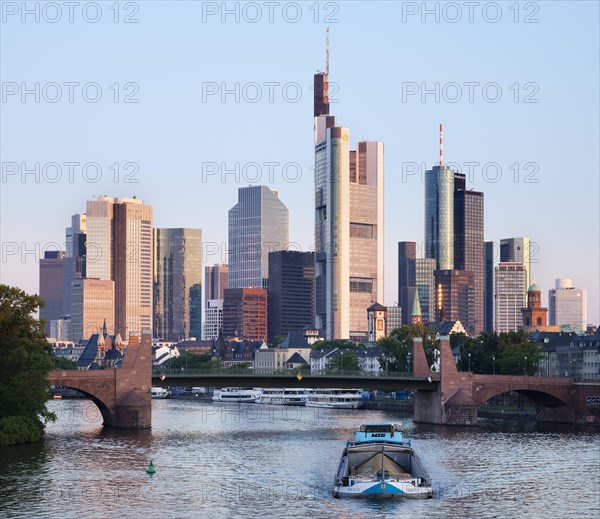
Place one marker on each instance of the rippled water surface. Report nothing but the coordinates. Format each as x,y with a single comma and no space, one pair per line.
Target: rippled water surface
255,461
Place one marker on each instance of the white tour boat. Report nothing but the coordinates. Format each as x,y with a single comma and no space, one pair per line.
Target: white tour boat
380,463
234,394
282,395
335,398
160,392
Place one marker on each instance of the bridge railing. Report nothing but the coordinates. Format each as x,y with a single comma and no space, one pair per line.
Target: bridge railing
245,372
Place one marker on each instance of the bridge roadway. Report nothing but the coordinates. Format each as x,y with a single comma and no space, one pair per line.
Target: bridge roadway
346,380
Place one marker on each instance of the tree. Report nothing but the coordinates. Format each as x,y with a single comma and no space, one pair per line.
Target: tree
321,345
65,364
26,362
345,361
398,345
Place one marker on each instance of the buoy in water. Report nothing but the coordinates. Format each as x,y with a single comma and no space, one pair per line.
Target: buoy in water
151,469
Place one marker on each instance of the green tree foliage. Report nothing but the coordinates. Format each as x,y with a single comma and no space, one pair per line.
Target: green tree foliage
346,361
63,363
191,360
26,362
398,345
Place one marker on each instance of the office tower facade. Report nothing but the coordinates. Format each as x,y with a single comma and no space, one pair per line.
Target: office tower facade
177,284
119,247
488,290
468,242
425,283
291,291
455,297
92,305
75,251
519,250
509,298
213,318
216,280
245,313
348,226
51,285
439,216
407,254
567,305
258,224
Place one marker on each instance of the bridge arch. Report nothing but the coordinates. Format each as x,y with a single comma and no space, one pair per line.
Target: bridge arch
552,407
108,417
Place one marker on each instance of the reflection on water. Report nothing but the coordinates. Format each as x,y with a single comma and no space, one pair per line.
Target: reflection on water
250,460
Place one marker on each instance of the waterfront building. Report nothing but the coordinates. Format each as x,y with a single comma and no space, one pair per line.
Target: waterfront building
245,314
213,318
92,307
488,290
52,287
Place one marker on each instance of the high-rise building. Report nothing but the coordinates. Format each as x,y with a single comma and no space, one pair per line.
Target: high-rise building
488,291
349,225
177,284
425,283
468,242
52,286
92,305
568,305
119,247
258,224
407,254
519,250
455,297
74,263
213,318
216,280
291,291
245,314
439,216
509,297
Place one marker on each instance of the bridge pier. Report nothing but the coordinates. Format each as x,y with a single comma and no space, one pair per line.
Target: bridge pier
122,394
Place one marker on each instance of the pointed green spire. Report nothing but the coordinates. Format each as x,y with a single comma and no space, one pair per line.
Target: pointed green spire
416,309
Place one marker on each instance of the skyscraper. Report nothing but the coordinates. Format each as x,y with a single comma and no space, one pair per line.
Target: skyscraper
52,286
468,242
425,283
213,318
245,313
74,262
455,297
291,291
349,225
407,253
567,305
119,247
509,296
518,249
439,216
488,291
258,224
92,306
216,280
177,284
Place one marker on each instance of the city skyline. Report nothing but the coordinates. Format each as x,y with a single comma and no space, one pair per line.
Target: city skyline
474,132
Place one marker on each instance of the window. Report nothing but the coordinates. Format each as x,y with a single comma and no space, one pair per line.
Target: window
362,285
362,230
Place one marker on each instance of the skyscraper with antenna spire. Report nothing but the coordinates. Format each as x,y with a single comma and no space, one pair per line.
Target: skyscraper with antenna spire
348,223
454,238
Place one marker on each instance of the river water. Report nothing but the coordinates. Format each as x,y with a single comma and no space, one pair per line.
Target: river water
258,461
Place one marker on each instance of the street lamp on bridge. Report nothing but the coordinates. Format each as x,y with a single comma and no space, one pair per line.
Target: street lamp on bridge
493,364
525,364
469,363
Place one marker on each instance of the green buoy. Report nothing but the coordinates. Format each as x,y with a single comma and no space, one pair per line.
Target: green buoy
151,469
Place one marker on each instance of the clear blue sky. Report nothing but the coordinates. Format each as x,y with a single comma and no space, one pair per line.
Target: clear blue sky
377,55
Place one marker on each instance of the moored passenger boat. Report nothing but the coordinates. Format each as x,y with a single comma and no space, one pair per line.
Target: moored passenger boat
159,392
335,398
235,394
282,396
380,463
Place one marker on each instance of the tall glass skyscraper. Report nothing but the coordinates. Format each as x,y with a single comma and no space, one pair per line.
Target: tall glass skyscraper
439,216
258,224
177,284
348,225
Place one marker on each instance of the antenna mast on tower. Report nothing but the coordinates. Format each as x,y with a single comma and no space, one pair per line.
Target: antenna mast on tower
327,51
440,145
